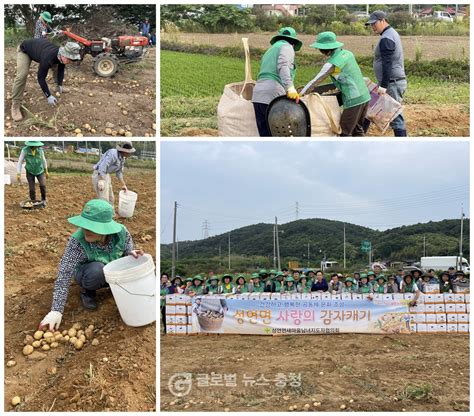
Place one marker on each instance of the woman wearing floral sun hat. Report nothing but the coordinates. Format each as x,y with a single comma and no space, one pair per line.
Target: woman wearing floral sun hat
98,241
36,168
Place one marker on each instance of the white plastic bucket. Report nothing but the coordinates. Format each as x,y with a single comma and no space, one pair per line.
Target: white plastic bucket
133,285
126,204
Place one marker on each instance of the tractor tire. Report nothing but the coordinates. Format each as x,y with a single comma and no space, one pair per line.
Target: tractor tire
105,65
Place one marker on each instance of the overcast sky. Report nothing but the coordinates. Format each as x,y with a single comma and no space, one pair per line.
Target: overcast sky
380,185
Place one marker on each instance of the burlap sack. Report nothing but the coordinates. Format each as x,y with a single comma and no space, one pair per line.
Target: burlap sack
235,113
325,115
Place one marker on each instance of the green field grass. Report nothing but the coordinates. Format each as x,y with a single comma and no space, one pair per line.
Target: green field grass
191,86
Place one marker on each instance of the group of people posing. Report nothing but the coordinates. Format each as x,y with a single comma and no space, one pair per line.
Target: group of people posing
278,71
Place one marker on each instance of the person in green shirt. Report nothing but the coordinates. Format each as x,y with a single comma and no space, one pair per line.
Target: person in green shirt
279,281
289,286
364,285
345,74
276,76
381,285
242,286
445,285
303,286
36,167
197,288
227,285
350,286
212,286
371,276
255,284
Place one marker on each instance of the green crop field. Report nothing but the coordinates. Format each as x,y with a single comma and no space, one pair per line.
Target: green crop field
191,86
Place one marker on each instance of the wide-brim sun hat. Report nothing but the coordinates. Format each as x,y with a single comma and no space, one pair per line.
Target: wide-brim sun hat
71,50
326,40
289,279
97,216
350,279
125,146
46,16
227,276
287,33
34,143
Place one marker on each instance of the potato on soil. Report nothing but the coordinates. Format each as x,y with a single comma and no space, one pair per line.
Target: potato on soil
36,344
38,335
79,344
54,344
16,401
28,349
47,335
45,347
72,332
73,340
11,363
77,326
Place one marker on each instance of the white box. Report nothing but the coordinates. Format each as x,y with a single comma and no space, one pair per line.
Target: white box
295,296
432,288
387,296
460,289
398,296
181,329
421,328
244,296
285,296
432,327
463,328
325,295
419,308
420,318
467,298
463,318
346,296
170,309
468,307
316,295
429,298
408,296
378,296
171,329
430,318
450,307
181,320
231,296
181,309
459,297
254,296
439,308
182,299
170,319
306,296
171,299
452,328
441,328
439,298
440,318
356,296
337,296
452,318
266,296
448,297
460,307
189,329
429,307
276,296
421,299
189,310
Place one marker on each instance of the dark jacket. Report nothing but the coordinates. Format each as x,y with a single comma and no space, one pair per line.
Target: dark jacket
320,286
45,54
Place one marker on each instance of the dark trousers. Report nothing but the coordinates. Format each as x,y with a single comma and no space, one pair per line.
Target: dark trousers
31,185
163,317
260,116
90,276
352,120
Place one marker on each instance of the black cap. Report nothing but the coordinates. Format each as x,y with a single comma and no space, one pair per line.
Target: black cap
375,16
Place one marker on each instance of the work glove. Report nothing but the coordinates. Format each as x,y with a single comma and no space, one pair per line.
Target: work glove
101,185
52,100
60,89
292,94
52,319
381,91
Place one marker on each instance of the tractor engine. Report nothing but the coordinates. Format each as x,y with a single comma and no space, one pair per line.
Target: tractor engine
130,47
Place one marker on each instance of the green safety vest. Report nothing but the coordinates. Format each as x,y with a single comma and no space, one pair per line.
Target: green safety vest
349,80
365,288
260,288
409,288
347,289
290,289
380,289
34,163
197,289
307,289
244,288
213,289
277,286
269,64
163,292
95,253
230,290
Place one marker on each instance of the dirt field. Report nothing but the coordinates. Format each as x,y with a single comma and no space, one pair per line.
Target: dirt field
118,374
432,47
360,372
126,101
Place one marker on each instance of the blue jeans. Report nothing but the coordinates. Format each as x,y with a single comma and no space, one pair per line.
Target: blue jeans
90,276
396,89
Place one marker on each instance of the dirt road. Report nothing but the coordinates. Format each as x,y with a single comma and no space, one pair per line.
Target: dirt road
126,101
118,374
360,372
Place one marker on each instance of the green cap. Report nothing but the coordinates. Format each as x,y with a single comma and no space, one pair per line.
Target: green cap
371,274
287,33
46,16
97,216
280,274
255,276
363,276
289,279
381,276
198,277
263,271
351,279
326,40
34,143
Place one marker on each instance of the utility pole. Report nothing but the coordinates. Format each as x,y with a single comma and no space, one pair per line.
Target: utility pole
177,250
229,250
410,9
277,244
460,239
308,255
205,229
297,211
424,246
344,246
173,252
274,244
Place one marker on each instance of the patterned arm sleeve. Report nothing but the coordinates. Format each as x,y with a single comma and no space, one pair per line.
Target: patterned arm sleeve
128,244
20,161
104,163
73,255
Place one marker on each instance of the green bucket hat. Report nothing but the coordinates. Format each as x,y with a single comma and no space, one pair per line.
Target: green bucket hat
34,143
286,33
273,271
363,276
46,16
289,279
255,276
227,275
71,50
371,274
326,40
188,279
280,274
381,276
97,216
210,279
198,277
352,280
263,271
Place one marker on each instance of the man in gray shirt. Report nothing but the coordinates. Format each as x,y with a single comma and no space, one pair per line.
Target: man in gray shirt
389,65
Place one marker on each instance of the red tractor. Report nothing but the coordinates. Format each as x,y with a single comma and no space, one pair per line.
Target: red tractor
108,53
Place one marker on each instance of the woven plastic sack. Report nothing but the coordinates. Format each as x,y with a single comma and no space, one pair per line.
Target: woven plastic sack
235,113
325,114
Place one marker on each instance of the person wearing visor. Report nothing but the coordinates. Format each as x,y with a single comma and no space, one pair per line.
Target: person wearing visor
112,161
389,66
276,76
47,55
345,74
98,241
